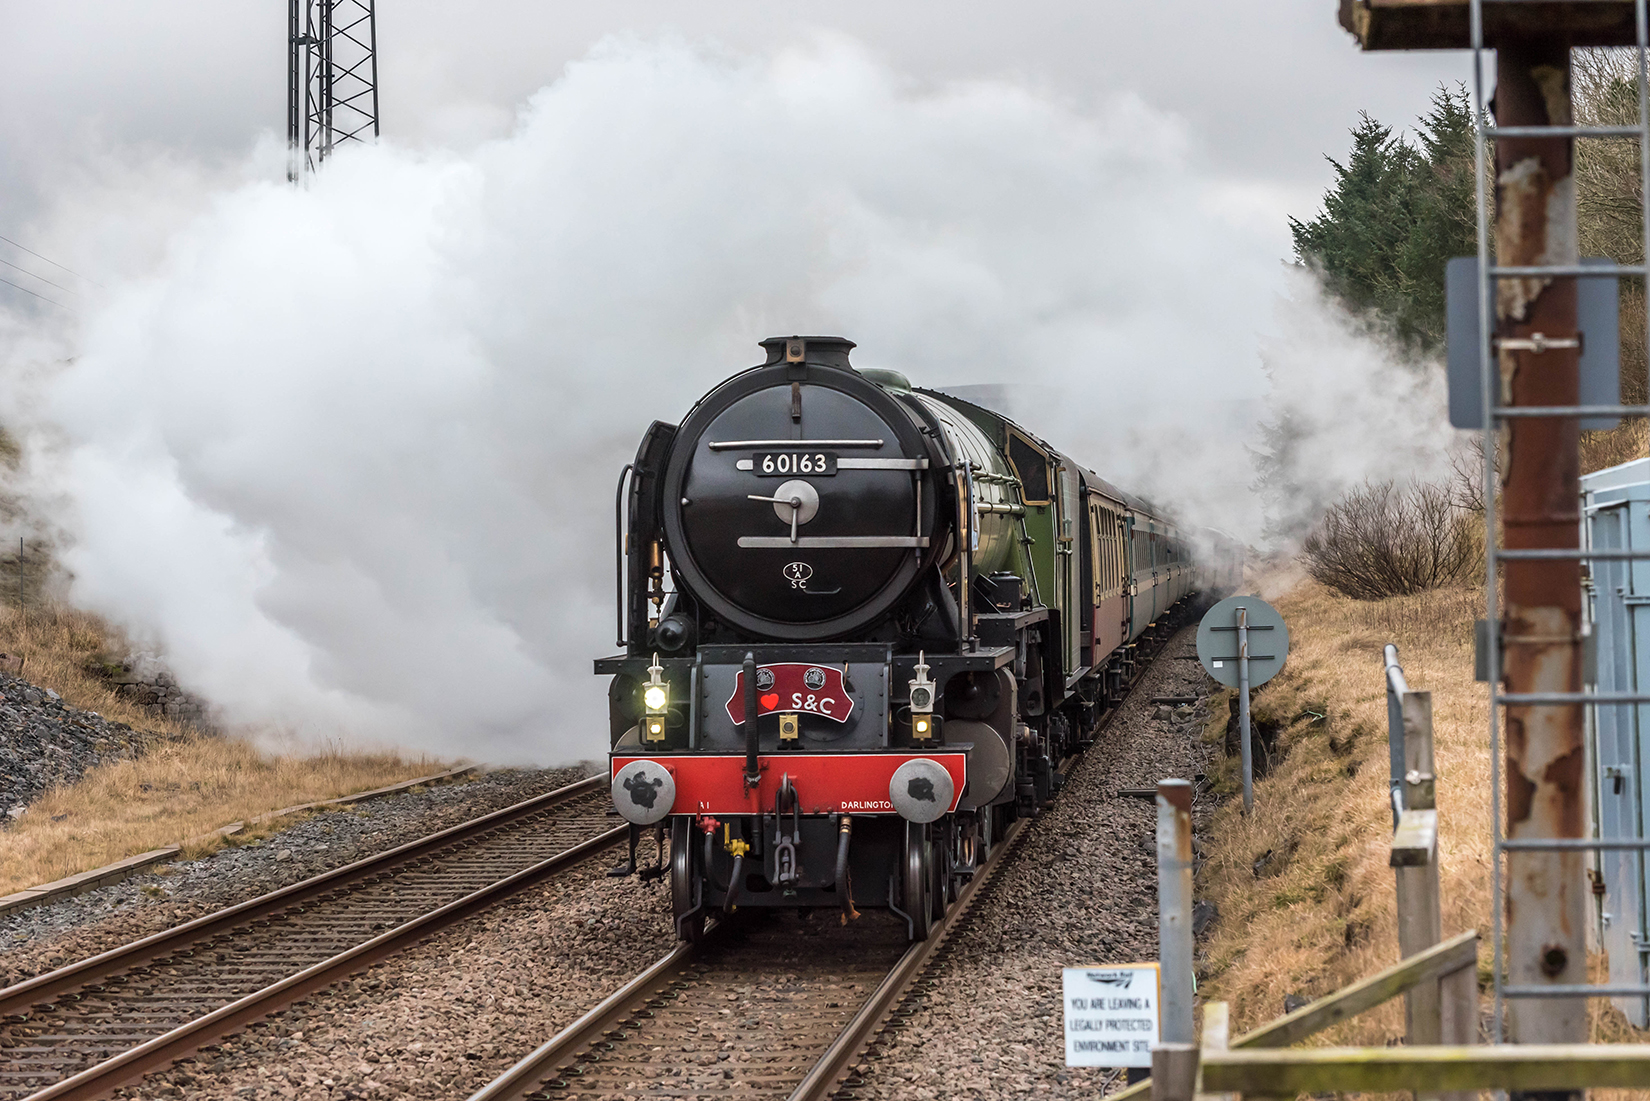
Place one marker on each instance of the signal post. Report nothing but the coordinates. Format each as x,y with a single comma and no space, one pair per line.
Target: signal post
1532,367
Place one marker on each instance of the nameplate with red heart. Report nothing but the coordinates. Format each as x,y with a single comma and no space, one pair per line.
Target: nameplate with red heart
795,686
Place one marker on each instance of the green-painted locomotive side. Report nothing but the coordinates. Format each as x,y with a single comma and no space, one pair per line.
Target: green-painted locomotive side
1039,523
1033,558
1036,559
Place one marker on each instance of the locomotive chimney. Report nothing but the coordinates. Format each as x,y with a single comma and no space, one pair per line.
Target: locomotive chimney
820,351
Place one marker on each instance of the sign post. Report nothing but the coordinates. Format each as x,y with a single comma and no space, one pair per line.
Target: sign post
1243,669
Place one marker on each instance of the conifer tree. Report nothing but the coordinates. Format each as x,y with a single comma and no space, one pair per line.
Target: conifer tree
1397,212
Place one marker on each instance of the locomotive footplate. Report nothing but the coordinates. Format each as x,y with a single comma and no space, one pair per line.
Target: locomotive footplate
819,783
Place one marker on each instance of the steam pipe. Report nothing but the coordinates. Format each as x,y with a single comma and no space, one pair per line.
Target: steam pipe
753,771
844,887
729,904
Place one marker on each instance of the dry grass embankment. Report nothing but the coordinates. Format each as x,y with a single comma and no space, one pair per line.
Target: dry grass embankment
1304,892
178,790
1628,441
62,649
1306,898
186,784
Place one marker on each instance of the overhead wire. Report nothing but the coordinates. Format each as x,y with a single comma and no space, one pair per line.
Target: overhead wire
48,260
42,278
42,297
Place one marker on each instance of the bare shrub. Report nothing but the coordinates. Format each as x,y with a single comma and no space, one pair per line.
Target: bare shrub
1389,539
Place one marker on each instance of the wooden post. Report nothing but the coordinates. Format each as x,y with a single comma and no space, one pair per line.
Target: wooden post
1458,991
1174,1072
1217,1034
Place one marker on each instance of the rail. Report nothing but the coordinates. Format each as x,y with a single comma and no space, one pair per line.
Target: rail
593,1042
545,1065
336,916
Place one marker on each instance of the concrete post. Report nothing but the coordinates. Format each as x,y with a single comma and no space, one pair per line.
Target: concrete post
1420,919
1536,224
1174,910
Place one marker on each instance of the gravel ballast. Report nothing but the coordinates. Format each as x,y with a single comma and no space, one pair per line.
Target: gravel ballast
1080,890
446,1017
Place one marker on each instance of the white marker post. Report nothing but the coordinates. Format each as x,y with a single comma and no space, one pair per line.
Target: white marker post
1111,1015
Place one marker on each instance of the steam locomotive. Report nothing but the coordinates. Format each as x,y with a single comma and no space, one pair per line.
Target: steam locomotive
862,625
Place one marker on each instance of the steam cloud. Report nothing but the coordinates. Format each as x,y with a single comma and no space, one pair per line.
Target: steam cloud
346,454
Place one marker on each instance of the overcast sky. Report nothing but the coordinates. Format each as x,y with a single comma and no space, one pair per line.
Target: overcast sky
1266,87
231,434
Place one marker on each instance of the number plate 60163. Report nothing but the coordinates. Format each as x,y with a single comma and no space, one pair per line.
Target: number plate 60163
788,464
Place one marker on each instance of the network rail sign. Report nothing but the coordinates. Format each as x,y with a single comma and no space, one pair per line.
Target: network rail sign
1111,1015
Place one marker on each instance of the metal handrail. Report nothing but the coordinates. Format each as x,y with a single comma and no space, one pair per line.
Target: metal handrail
1561,131
1523,271
1583,553
1397,686
1504,411
1574,844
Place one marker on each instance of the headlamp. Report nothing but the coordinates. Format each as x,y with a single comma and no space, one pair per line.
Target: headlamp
924,724
656,693
922,689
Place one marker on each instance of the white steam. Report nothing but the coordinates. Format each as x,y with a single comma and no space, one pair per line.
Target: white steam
346,454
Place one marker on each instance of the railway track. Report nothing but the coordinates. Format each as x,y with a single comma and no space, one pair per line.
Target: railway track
84,1029
770,1005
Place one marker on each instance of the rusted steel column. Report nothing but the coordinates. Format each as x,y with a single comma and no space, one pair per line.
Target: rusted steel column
1536,224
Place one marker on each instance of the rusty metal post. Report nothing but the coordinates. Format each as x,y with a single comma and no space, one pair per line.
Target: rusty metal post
1535,224
1174,911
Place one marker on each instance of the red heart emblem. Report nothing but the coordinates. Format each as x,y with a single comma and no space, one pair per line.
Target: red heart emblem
770,701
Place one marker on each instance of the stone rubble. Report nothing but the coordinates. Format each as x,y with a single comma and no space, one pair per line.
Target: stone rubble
160,695
44,742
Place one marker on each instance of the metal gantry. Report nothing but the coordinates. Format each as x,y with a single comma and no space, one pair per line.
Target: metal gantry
1528,388
332,79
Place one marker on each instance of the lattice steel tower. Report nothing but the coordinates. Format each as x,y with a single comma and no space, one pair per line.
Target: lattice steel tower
332,81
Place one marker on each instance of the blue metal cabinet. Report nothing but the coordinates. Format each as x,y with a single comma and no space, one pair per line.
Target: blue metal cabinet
1616,505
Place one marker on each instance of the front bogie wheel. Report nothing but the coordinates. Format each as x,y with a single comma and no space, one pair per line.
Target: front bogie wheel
916,880
687,890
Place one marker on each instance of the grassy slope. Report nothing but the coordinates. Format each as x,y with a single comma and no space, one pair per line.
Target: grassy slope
1323,915
1320,912
187,784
